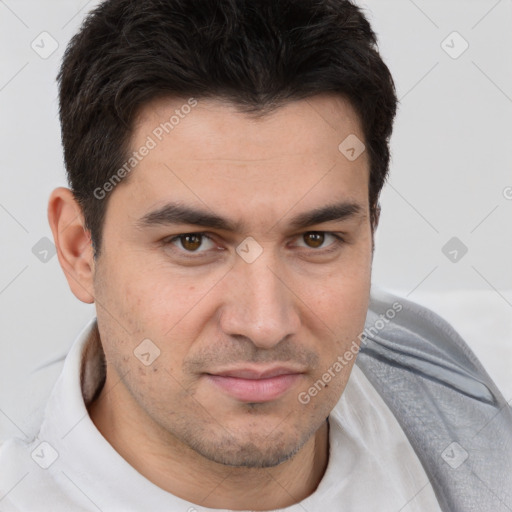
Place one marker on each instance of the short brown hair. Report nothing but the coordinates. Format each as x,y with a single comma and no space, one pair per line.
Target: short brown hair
257,54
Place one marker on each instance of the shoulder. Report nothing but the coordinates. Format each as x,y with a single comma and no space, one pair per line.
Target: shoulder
446,403
414,339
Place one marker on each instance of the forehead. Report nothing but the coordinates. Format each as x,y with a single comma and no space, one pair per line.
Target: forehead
208,153
214,128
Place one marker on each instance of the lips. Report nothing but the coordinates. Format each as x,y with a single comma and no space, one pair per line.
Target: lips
255,384
256,374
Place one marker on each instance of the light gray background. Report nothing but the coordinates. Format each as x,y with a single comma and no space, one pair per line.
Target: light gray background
450,177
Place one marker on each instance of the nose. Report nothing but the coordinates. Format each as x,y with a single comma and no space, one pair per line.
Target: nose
259,305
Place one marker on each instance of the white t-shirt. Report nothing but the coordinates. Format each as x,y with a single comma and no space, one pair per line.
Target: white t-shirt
69,466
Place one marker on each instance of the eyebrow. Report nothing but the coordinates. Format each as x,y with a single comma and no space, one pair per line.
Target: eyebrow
175,213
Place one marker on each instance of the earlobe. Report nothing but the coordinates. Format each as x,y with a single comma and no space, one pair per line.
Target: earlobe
73,243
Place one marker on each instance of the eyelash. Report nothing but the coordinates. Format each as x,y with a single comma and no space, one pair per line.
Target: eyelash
339,241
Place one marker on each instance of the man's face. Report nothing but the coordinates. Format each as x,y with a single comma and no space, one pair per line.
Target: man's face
243,326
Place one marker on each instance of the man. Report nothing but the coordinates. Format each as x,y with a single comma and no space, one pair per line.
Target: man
225,162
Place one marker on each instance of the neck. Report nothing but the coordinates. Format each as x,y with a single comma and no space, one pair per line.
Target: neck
176,468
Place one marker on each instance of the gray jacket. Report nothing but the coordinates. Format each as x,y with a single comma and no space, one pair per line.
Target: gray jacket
457,421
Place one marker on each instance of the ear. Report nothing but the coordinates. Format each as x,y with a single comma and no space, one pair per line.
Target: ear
73,243
376,217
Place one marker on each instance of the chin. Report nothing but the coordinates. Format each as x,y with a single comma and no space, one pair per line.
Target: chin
250,451
250,455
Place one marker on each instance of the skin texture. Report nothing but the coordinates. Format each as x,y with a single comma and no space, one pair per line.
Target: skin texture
296,305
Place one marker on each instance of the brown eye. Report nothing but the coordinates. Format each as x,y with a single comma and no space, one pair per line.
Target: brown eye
189,247
314,239
191,242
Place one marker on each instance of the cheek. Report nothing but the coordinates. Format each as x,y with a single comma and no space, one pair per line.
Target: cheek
340,299
339,309
152,295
